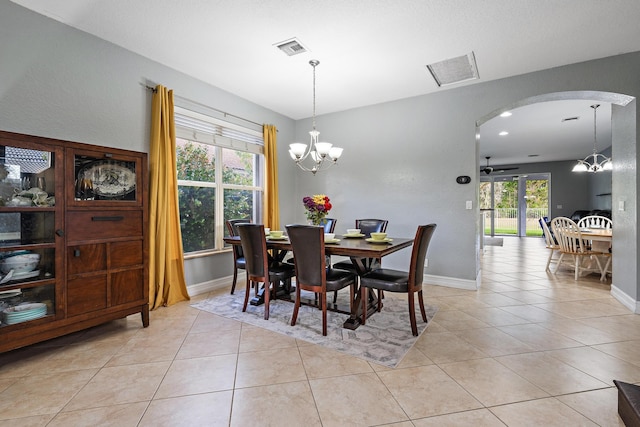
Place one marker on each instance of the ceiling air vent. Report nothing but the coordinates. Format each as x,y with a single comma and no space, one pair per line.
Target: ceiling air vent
454,70
291,47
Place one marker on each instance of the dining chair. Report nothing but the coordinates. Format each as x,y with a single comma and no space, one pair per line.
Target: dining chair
601,222
239,261
329,225
409,282
574,244
366,226
550,242
595,221
259,270
311,269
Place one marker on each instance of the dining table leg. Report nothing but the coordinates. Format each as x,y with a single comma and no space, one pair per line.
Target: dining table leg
362,266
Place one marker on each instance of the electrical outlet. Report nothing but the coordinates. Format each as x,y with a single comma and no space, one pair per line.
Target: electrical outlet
469,204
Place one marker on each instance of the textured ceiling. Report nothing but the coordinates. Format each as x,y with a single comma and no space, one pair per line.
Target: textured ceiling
370,51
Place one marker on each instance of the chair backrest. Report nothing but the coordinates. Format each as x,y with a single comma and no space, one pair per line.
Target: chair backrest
329,225
595,221
568,235
418,255
368,226
232,228
307,242
254,246
548,238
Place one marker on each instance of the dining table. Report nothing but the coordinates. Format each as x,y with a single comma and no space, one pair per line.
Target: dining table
600,238
363,253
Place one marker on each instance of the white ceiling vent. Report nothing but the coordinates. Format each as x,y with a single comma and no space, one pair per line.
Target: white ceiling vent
291,47
454,70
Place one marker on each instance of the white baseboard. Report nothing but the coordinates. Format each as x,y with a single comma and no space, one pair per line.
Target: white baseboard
450,282
625,299
225,282
212,285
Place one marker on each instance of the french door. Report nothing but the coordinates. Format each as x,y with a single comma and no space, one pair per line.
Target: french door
511,205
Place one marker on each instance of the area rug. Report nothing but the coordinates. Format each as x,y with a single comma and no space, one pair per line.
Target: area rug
384,339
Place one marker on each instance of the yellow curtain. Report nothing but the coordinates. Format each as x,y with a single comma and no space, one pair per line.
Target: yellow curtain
271,205
167,285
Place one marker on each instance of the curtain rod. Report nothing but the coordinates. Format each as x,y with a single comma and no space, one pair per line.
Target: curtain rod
153,89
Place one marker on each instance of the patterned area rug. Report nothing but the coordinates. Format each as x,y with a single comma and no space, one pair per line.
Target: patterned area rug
385,338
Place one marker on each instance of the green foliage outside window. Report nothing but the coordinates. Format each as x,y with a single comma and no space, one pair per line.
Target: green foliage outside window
197,162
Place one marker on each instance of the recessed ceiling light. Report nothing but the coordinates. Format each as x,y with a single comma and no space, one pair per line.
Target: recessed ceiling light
505,114
568,119
503,133
533,155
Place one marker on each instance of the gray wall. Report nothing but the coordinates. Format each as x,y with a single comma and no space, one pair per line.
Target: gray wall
400,161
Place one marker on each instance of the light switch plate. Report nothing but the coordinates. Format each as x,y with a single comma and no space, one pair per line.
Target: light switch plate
469,204
621,205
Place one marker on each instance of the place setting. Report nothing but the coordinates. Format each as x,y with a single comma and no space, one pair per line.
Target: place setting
353,233
275,234
330,238
379,238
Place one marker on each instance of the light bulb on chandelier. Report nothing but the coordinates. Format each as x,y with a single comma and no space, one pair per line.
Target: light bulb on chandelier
322,155
594,165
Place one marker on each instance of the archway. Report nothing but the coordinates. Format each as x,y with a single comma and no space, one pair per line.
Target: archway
624,183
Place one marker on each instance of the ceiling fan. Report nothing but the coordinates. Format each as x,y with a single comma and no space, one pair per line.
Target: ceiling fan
488,169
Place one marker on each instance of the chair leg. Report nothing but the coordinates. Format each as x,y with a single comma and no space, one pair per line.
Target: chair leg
335,297
296,306
380,296
235,279
549,259
422,310
558,263
246,294
324,314
577,267
412,313
267,297
364,297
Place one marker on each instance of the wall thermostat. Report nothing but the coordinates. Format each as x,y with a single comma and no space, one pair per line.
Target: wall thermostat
463,179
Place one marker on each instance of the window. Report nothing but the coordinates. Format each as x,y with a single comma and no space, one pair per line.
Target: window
220,169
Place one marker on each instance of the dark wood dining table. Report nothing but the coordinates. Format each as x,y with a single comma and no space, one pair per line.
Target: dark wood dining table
362,253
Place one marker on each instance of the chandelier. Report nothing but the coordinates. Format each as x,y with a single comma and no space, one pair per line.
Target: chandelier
591,163
321,155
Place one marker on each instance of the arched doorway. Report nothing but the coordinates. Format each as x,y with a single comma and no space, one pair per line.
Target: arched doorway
624,183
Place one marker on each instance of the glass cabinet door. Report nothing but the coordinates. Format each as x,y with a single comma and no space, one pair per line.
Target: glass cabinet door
30,233
104,179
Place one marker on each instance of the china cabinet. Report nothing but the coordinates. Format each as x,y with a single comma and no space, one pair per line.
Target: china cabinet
73,238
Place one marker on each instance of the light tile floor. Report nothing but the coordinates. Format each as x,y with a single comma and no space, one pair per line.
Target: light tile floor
527,349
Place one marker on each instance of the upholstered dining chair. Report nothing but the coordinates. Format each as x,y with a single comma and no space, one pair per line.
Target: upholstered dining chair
574,244
312,273
329,225
409,282
366,226
550,242
239,263
254,246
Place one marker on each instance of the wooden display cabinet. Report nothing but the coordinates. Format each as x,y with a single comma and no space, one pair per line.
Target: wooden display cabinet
81,212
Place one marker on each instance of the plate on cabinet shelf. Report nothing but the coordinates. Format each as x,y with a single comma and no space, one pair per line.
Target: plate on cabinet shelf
109,178
25,275
10,294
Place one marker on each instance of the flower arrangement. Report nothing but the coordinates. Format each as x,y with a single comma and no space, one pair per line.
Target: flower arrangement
317,207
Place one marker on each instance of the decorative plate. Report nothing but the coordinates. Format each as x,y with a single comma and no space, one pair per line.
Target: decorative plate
330,241
109,178
349,236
